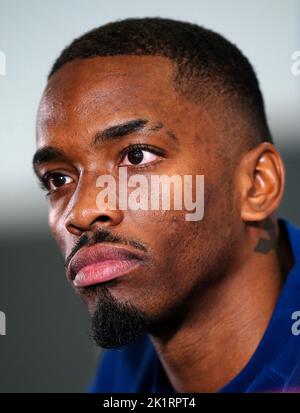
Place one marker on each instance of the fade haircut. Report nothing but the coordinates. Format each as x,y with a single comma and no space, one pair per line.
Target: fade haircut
208,68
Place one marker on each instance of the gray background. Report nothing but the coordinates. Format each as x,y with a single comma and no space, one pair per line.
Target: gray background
47,346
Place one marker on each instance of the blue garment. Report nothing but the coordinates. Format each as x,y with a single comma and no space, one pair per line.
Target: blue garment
275,365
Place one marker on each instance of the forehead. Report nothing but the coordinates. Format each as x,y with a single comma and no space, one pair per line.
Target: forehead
111,84
90,95
107,90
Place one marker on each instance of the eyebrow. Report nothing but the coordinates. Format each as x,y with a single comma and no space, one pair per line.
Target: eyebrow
126,128
120,130
49,153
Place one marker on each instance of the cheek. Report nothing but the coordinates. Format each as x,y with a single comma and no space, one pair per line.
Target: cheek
176,265
57,228
185,250
174,244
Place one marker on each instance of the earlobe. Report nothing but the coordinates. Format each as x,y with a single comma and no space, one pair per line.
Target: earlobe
262,182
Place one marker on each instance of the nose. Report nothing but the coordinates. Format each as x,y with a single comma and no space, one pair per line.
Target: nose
85,212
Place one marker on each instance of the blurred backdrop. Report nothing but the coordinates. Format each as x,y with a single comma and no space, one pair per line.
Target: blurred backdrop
47,347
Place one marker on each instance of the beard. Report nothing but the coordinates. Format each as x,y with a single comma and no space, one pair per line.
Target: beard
115,324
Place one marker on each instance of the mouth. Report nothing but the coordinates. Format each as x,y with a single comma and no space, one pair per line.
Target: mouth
101,263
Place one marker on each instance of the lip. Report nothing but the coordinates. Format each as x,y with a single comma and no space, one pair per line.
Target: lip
100,263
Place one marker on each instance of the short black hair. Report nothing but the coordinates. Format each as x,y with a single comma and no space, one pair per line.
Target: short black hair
209,67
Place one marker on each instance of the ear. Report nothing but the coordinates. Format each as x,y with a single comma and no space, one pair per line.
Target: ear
261,179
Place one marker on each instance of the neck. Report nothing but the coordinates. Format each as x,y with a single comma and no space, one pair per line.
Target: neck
224,326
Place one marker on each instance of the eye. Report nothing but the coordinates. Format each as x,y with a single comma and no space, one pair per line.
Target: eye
139,156
54,180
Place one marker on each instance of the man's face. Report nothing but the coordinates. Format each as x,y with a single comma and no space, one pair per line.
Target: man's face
179,258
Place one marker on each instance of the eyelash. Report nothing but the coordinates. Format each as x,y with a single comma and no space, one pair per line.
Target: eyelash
142,146
43,182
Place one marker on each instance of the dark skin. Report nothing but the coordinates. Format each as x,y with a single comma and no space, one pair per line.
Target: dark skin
212,289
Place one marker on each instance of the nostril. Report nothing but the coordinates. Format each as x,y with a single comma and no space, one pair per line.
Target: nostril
104,218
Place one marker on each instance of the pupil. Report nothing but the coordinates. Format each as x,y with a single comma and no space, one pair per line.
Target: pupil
135,156
58,180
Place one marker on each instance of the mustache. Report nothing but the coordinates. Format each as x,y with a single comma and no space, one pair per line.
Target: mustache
104,235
